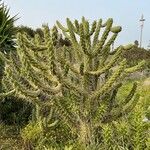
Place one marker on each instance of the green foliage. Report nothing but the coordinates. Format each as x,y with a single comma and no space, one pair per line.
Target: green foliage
12,111
31,132
136,55
31,32
25,29
7,33
42,133
7,29
79,82
34,32
133,129
15,112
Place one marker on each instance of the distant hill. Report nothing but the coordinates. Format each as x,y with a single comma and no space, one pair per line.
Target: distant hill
136,54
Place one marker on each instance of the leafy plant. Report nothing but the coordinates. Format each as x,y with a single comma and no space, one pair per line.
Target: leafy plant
7,29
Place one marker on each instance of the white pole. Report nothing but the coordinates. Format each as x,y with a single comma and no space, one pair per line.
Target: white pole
142,25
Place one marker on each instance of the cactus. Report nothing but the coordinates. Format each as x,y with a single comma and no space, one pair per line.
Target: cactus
87,72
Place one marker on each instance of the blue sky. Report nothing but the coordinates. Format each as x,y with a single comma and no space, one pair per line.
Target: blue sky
126,13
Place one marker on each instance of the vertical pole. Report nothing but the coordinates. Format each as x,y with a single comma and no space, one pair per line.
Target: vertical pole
141,34
142,25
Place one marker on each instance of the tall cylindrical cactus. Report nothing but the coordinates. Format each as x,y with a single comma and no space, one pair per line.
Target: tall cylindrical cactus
86,71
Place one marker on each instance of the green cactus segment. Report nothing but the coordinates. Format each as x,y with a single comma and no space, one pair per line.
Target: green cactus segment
46,31
109,65
61,27
130,95
115,114
116,29
3,58
93,28
97,32
76,25
83,41
2,95
136,68
109,84
54,36
45,73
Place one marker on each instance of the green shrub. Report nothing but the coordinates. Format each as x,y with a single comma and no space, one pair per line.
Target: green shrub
15,111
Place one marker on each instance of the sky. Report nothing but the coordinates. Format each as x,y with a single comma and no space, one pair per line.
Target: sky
126,13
